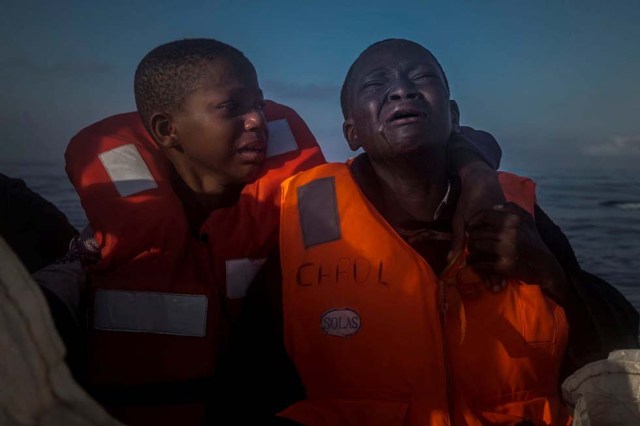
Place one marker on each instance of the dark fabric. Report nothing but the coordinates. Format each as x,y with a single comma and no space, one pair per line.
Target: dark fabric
169,393
600,320
39,234
221,410
472,145
70,332
257,377
318,211
35,229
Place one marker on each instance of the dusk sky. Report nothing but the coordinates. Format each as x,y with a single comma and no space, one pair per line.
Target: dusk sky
555,81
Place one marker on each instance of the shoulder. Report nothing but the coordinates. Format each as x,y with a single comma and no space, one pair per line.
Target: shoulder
317,172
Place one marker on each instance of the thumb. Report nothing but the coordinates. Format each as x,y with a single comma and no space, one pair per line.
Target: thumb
459,233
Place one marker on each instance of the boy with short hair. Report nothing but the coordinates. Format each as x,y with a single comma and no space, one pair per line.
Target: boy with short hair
182,210
377,324
209,121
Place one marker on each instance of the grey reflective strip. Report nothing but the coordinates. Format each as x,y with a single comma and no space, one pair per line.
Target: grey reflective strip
240,274
145,312
127,170
281,138
318,211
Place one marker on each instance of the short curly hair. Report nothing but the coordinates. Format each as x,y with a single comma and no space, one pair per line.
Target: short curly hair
345,92
168,73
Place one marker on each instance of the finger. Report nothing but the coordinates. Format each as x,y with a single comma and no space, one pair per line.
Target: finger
490,263
513,208
488,269
503,242
484,260
494,218
477,219
484,233
486,218
476,246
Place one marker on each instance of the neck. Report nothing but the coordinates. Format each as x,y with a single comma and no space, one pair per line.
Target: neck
404,189
201,191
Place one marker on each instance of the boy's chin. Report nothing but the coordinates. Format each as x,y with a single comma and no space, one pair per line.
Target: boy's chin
251,174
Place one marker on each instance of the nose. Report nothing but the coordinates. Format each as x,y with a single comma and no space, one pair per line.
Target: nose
254,120
403,88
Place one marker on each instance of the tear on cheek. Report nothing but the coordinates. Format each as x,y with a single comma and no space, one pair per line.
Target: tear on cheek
382,132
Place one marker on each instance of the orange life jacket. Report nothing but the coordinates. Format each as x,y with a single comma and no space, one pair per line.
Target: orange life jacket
379,339
161,297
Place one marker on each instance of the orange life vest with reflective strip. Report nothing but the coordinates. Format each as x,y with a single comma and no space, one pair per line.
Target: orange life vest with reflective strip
160,297
379,339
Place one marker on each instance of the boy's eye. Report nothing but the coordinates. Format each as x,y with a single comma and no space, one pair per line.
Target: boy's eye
372,84
261,105
228,106
424,76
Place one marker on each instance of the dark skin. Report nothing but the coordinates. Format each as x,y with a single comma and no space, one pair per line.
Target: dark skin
402,116
216,140
505,241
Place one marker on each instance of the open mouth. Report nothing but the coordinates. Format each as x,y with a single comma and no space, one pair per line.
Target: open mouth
250,150
253,151
405,115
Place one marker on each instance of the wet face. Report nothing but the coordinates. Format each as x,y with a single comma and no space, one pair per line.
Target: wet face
399,102
221,126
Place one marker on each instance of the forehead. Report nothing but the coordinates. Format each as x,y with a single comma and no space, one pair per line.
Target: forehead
393,55
224,72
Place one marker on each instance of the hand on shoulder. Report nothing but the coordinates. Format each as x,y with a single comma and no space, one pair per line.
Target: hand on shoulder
504,240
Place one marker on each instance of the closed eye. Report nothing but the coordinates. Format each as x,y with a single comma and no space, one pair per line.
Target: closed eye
424,76
372,83
228,106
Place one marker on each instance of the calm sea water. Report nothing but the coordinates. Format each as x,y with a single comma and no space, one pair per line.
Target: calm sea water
599,211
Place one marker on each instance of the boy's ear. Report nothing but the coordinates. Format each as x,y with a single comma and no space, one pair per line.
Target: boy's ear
455,116
163,130
349,131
